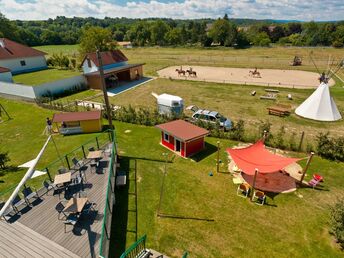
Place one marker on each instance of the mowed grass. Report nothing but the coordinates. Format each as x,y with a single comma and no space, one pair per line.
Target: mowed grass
290,225
43,76
22,137
236,102
157,58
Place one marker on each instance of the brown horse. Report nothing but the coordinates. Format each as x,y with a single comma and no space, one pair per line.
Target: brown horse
180,72
254,73
191,73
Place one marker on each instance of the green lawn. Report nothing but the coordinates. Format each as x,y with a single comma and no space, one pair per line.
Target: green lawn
23,138
70,50
43,76
290,225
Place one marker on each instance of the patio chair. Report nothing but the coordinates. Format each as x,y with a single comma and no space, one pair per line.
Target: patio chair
318,177
243,190
91,149
29,194
48,186
72,220
313,183
258,197
60,207
7,211
17,201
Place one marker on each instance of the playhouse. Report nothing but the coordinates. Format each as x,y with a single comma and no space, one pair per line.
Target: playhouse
78,122
182,137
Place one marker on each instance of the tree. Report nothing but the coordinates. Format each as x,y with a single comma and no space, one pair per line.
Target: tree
276,33
261,39
174,37
138,34
158,30
8,29
223,32
4,158
49,37
94,38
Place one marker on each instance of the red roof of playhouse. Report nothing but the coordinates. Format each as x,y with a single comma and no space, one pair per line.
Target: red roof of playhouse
4,70
256,156
183,130
10,49
108,57
77,116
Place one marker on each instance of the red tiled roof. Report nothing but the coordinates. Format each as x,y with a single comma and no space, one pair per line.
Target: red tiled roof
4,70
76,116
108,57
183,130
10,49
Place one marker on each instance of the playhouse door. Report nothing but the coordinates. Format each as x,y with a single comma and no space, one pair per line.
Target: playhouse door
177,145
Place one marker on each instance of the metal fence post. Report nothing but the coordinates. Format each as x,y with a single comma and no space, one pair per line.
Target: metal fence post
68,165
97,142
83,151
48,174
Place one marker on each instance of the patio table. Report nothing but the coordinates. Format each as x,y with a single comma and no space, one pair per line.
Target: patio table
75,205
63,178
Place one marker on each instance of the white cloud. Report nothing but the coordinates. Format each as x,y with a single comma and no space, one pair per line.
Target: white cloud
188,9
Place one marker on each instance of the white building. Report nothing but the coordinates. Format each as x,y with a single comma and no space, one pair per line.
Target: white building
5,75
20,58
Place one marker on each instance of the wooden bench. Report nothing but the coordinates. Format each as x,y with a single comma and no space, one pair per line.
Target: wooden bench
268,97
272,90
278,111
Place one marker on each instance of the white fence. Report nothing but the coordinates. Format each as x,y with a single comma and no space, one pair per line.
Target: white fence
32,92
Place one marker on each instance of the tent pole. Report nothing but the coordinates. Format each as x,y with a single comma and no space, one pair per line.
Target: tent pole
306,167
254,182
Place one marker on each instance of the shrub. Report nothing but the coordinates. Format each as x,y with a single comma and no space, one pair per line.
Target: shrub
337,221
238,131
279,140
292,142
330,148
4,158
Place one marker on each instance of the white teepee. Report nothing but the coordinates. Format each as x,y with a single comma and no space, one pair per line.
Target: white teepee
319,106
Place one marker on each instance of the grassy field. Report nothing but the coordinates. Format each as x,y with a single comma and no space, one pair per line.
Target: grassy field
23,138
290,225
44,76
157,58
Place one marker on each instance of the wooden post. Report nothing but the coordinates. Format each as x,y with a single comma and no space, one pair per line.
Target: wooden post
301,140
306,167
106,98
254,182
265,135
218,157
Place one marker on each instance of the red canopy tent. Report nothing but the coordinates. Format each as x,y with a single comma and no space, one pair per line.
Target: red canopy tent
257,157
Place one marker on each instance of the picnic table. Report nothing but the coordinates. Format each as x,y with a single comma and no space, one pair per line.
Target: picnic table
75,205
272,90
94,155
63,178
278,111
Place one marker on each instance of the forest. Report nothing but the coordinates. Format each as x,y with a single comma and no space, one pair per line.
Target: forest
238,33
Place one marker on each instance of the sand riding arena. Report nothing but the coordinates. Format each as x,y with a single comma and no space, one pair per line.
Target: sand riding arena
249,76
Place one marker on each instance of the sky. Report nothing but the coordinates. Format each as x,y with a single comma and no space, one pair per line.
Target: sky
318,10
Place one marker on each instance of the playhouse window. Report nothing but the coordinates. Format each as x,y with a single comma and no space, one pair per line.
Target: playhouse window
166,138
22,63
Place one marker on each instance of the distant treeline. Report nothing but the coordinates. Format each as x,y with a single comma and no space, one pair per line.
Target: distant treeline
238,33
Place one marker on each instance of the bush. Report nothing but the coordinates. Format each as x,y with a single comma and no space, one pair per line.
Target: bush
4,158
279,140
330,148
337,221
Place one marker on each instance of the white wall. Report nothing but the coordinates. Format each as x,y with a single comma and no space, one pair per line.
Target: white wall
59,86
87,69
32,92
6,77
17,90
31,63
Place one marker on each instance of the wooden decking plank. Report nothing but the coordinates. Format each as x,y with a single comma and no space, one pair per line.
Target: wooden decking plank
43,220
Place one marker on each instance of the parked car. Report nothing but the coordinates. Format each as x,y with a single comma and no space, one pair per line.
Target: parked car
210,117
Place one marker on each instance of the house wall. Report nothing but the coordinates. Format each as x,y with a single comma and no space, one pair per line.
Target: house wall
94,82
91,126
31,64
59,86
194,146
32,92
170,143
133,75
19,90
87,69
182,151
6,77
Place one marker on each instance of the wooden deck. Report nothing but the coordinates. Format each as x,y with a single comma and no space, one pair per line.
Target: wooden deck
81,241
